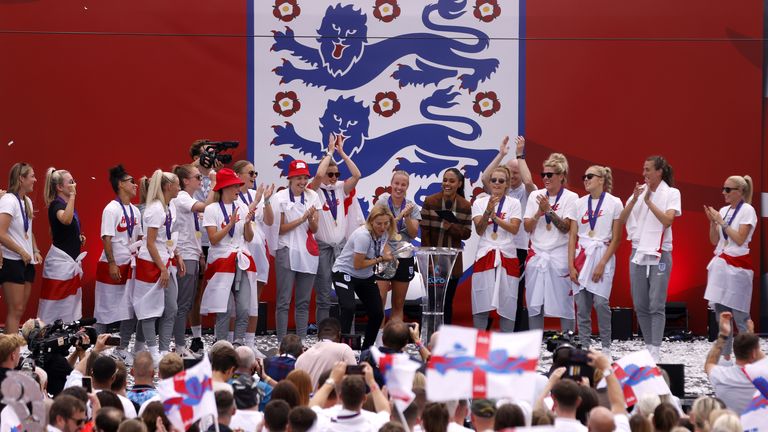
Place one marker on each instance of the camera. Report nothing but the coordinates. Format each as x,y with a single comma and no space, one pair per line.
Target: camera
567,353
213,150
58,338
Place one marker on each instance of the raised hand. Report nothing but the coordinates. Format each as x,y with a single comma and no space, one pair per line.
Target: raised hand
543,202
519,145
639,188
259,194
504,147
725,323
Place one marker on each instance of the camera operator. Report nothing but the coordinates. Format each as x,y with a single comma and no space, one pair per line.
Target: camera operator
57,361
10,354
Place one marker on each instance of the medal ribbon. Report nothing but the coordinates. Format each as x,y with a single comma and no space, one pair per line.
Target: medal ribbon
290,195
24,215
735,212
333,206
557,199
401,222
226,216
168,223
592,216
129,223
248,201
498,213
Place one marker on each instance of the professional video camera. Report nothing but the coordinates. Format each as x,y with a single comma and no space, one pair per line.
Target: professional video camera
212,152
567,353
59,337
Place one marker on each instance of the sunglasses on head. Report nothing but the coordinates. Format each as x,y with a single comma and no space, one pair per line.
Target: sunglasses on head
727,189
334,174
498,180
548,174
589,176
129,179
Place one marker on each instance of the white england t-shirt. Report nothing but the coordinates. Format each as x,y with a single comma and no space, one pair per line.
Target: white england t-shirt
154,217
329,231
541,238
214,217
610,210
189,245
745,216
10,204
510,210
114,223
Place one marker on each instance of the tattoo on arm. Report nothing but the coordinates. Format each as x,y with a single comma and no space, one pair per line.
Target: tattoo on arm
560,223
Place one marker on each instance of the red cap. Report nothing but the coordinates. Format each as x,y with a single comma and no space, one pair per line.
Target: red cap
226,177
297,168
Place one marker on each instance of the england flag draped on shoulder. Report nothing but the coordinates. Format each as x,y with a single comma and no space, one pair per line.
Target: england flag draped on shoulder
638,374
466,361
188,396
755,417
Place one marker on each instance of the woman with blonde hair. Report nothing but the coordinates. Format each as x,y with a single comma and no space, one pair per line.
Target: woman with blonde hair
595,233
258,201
700,411
547,219
730,274
353,271
496,272
61,293
649,224
155,291
230,276
407,215
18,247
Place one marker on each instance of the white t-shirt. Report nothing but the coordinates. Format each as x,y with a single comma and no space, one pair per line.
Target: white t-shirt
610,210
745,216
541,238
113,224
155,217
190,235
344,420
510,209
569,425
259,235
327,230
247,420
214,217
673,202
10,204
732,386
521,194
294,210
359,242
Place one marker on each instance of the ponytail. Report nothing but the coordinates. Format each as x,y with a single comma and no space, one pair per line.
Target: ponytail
143,187
53,178
156,184
747,191
660,163
183,172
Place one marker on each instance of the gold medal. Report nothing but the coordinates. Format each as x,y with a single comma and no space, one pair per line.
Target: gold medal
198,235
26,236
549,227
169,243
397,237
591,233
494,236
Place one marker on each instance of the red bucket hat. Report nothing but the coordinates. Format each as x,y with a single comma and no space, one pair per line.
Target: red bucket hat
226,177
297,168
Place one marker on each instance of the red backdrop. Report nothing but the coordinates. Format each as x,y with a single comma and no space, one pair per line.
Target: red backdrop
606,82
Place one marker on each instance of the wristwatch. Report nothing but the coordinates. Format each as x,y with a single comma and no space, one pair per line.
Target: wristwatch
330,382
607,372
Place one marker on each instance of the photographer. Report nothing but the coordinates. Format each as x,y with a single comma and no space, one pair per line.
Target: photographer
395,337
47,354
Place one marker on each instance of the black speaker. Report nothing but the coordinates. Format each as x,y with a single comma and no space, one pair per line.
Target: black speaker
261,323
621,323
521,320
676,374
713,327
677,317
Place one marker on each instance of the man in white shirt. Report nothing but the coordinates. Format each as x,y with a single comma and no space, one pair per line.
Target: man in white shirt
730,382
351,390
103,375
566,400
326,352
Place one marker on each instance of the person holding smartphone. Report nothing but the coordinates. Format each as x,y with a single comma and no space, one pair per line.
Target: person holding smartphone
446,220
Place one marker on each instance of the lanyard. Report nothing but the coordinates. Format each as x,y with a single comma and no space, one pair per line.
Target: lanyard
129,223
197,222
290,195
592,216
401,222
559,194
498,213
226,216
333,206
168,223
24,215
735,212
248,201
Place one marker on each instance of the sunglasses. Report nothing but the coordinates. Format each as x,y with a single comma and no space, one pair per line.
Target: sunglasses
589,176
79,422
498,180
253,173
129,179
198,177
334,174
727,189
548,174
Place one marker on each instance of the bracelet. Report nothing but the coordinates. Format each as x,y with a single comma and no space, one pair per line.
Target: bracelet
419,345
266,202
522,156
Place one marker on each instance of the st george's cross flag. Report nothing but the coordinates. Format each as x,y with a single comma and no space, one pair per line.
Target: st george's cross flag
188,395
638,374
470,363
755,417
398,371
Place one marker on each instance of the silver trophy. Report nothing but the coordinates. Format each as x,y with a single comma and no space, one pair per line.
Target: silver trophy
435,266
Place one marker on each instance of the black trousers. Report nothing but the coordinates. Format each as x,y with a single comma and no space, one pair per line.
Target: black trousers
521,321
450,293
367,291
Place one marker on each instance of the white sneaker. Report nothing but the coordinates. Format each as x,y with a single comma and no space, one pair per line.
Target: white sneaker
123,355
185,353
156,357
139,347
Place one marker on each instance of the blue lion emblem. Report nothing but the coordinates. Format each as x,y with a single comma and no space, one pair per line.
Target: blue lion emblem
349,118
346,61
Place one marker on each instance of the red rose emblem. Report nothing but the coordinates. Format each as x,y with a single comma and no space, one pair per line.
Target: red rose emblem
286,103
380,190
487,10
386,104
486,103
386,10
286,10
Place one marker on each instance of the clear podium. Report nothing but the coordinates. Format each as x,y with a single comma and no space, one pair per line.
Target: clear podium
435,265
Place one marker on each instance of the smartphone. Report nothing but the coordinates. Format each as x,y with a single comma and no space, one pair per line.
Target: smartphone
87,384
355,370
113,341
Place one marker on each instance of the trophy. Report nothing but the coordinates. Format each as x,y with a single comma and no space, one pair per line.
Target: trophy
435,265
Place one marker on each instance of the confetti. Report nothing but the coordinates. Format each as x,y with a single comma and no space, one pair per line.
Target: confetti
10,143
93,178
85,7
